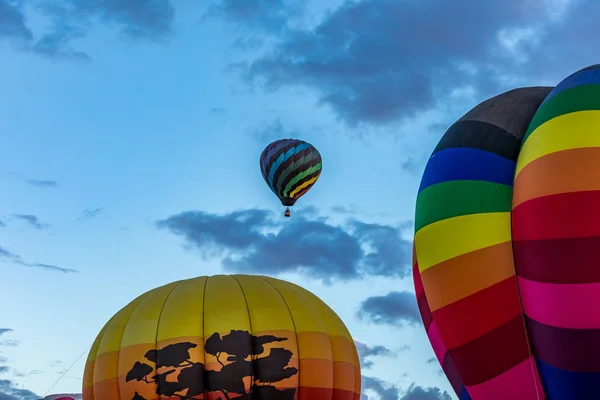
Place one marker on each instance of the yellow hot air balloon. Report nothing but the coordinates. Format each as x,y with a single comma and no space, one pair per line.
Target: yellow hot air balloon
224,337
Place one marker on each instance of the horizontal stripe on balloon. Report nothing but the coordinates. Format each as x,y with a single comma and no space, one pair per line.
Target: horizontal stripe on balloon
569,260
482,135
571,306
574,99
582,77
560,172
566,349
462,276
566,215
492,354
567,385
453,237
464,163
472,317
456,198
565,132
521,382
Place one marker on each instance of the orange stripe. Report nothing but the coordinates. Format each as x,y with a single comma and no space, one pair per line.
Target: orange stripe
565,171
462,276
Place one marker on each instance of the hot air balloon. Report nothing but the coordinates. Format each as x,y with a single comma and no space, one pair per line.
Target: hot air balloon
507,245
463,260
290,167
224,337
70,396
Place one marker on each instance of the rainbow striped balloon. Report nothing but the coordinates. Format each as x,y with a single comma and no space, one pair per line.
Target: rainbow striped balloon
507,245
290,167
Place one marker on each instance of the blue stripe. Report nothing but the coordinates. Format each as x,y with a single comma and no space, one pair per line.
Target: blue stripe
463,163
567,385
281,159
274,150
464,395
587,77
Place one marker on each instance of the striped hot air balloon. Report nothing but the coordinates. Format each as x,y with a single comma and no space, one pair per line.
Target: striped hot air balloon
507,245
290,168
224,337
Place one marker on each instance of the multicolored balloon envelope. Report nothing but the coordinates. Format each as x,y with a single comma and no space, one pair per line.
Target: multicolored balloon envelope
290,167
507,245
224,337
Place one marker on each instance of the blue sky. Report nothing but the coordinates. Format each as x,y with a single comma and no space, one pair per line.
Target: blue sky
130,129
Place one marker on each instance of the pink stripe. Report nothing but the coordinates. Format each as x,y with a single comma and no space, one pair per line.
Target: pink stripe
518,383
436,342
570,305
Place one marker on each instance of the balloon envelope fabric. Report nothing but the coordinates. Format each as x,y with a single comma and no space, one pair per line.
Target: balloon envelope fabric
507,245
224,337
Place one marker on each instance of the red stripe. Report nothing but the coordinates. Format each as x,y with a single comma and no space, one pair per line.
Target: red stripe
565,215
417,280
478,314
572,260
492,354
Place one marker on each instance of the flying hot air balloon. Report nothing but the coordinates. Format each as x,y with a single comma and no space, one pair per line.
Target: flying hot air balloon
290,167
507,245
224,337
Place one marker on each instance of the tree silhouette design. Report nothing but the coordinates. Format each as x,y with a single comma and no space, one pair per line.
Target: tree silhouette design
238,354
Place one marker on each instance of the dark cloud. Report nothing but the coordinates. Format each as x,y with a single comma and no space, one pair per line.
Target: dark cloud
266,15
5,330
383,390
382,60
365,352
254,241
42,183
32,220
10,391
71,19
13,258
395,308
415,392
12,22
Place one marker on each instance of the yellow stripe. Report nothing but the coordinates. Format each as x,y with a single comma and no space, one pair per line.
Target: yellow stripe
565,132
453,237
225,307
305,184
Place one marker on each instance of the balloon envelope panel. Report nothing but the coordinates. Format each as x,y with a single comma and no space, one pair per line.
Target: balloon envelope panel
235,336
463,251
556,233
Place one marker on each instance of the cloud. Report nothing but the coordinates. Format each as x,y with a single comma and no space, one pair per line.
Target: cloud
71,19
32,220
5,330
383,390
365,351
41,183
90,213
395,308
378,61
12,22
415,392
265,15
9,391
16,259
253,241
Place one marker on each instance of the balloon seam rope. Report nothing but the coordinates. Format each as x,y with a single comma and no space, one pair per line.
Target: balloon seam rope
252,341
529,349
67,370
158,388
293,324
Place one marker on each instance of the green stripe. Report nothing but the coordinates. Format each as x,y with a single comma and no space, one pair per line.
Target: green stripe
578,98
455,198
290,168
301,175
